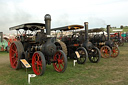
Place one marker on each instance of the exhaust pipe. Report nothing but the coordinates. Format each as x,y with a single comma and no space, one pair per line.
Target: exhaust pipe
86,31
47,20
1,34
108,32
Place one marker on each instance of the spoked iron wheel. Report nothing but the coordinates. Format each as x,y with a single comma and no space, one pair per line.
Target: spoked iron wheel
115,51
94,55
38,63
105,51
83,55
60,61
15,54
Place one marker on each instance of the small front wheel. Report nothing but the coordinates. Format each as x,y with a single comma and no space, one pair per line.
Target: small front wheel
83,55
94,55
115,52
105,51
60,61
38,63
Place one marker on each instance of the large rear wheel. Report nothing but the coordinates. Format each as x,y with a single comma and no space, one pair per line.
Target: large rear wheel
61,46
60,61
38,63
105,51
83,55
94,55
15,54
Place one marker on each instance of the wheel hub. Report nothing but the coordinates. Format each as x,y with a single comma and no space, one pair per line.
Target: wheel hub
60,61
106,51
114,51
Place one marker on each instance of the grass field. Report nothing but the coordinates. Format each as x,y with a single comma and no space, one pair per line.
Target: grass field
111,71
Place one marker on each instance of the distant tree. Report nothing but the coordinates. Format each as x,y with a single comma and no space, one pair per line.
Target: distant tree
121,27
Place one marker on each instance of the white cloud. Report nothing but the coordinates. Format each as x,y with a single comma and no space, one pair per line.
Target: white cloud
98,13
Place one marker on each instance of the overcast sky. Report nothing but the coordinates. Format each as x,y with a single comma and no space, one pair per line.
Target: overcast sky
98,13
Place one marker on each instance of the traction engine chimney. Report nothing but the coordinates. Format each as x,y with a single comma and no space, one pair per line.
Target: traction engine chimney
108,32
1,34
86,31
47,20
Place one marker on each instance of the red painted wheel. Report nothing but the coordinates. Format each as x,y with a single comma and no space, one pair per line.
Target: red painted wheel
60,60
105,51
15,54
38,63
115,51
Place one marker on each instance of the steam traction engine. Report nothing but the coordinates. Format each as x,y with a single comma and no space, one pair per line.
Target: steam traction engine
79,43
3,43
71,43
114,48
93,52
106,46
38,49
117,39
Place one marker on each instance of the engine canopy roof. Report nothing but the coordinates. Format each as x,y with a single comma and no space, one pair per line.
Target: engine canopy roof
29,26
70,27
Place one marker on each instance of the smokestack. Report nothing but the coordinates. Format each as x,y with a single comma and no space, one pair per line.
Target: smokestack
47,20
108,32
86,31
1,34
